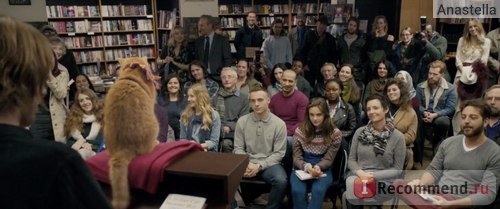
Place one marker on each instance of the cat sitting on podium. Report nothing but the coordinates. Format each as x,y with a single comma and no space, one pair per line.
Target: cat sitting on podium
130,124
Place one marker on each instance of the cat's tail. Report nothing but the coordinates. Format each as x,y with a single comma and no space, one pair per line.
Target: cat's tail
118,175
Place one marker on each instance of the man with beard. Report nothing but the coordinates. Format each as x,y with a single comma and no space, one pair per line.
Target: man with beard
438,99
470,158
350,46
492,98
297,34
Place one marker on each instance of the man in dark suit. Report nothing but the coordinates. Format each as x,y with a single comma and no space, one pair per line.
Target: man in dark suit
218,53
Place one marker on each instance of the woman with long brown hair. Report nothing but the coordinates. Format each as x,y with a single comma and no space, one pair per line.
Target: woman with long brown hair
315,145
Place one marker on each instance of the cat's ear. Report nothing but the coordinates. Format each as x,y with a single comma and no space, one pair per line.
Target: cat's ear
121,61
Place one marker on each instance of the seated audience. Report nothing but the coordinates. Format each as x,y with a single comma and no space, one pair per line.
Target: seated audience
377,152
492,127
199,74
245,80
438,99
341,112
403,115
84,124
277,72
262,136
315,145
328,71
231,104
302,84
408,80
351,92
171,97
199,121
35,173
382,73
470,159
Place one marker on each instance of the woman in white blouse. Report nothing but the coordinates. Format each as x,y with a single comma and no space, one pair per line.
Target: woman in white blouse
472,46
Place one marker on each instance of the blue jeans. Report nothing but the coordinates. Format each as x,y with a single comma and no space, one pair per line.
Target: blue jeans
276,176
318,188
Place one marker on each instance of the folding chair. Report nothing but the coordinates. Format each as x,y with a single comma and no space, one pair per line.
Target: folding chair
339,169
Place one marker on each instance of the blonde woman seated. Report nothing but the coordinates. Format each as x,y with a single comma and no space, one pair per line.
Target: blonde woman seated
84,123
199,121
403,115
377,153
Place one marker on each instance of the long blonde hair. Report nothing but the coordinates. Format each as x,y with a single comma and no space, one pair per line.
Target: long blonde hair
467,39
203,104
374,24
171,38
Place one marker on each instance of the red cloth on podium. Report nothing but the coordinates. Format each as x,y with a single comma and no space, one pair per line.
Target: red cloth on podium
146,171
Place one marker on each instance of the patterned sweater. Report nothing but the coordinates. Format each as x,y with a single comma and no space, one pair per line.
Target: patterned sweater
317,152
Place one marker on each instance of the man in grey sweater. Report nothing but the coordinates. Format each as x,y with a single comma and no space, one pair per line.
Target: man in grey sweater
262,136
470,159
231,104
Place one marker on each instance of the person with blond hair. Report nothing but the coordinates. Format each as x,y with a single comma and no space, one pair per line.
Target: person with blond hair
472,46
199,121
175,55
35,173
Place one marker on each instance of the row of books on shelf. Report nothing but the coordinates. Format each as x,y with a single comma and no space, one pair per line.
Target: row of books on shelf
124,10
81,26
237,22
272,8
125,25
129,39
88,56
115,54
108,73
83,41
56,11
167,19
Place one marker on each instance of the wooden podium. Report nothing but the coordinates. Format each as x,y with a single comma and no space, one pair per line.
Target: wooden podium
215,176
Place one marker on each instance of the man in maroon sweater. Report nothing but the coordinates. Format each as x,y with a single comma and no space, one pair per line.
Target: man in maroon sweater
289,105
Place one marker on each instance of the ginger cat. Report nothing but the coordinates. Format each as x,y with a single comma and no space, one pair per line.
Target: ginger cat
130,124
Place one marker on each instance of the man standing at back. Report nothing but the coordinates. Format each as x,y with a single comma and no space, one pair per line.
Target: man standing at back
250,35
261,135
211,48
297,35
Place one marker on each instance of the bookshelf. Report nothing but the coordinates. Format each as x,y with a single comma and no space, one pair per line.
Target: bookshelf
99,32
232,14
167,14
452,30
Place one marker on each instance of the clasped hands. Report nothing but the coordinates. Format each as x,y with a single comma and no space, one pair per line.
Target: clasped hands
252,170
429,116
315,171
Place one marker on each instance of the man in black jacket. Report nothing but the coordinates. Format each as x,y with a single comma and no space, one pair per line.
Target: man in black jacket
211,48
250,35
318,47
